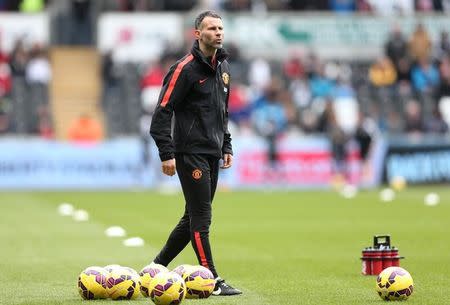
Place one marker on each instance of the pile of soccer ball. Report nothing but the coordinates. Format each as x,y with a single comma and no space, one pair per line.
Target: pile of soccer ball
155,281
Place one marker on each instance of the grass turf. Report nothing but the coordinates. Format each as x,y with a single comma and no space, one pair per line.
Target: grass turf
279,248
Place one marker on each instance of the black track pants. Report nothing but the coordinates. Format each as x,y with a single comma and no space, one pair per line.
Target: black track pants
198,176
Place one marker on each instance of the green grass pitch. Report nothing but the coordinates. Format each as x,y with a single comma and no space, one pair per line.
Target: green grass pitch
278,247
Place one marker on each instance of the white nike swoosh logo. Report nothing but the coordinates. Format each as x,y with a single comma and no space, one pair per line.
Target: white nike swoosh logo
217,292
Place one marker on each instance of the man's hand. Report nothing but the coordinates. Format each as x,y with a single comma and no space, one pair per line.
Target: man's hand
168,167
227,161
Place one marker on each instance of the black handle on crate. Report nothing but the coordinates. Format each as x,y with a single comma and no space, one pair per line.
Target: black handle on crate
381,240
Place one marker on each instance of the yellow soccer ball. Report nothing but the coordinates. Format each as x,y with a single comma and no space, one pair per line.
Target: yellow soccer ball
111,267
167,288
182,269
394,284
92,283
123,284
147,274
199,281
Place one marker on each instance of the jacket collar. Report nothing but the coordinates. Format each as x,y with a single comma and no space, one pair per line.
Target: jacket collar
221,54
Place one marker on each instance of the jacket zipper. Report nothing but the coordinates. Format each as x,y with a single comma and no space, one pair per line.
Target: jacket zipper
220,124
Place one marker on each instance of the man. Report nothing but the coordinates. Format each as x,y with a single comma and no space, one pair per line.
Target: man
196,89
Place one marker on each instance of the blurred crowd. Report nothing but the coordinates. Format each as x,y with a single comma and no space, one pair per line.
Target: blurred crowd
399,92
25,74
383,7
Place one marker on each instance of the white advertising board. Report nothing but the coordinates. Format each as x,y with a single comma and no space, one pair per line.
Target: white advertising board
140,36
30,28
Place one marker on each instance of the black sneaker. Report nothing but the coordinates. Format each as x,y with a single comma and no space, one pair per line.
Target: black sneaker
223,288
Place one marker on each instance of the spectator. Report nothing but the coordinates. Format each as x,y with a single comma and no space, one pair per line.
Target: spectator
293,68
269,118
424,5
343,88
445,5
365,135
132,5
237,5
389,7
5,80
435,123
11,5
413,120
238,64
177,5
404,71
420,44
425,77
320,84
396,47
310,5
404,78
382,73
151,86
38,70
393,123
153,76
110,79
85,129
5,88
239,107
259,75
301,93
328,124
19,60
4,58
363,6
342,6
443,46
444,85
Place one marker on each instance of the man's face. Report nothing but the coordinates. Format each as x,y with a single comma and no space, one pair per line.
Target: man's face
210,32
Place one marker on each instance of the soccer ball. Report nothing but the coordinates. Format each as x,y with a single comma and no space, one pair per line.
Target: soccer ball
167,288
182,269
111,267
199,281
92,283
123,284
134,272
147,274
394,283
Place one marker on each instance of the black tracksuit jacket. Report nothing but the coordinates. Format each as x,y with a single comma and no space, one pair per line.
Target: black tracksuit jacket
198,95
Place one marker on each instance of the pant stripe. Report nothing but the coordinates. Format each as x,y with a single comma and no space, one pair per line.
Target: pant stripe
201,252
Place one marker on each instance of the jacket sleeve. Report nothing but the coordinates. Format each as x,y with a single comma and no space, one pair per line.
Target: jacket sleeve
227,148
174,89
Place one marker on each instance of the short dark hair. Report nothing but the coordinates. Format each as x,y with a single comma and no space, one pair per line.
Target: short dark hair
202,16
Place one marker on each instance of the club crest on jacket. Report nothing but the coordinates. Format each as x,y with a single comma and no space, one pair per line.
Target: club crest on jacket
225,78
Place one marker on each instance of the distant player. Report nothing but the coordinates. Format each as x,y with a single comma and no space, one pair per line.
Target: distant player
196,89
